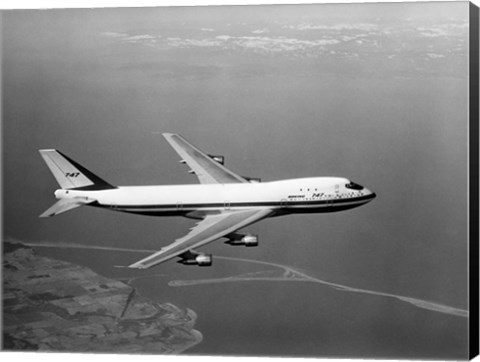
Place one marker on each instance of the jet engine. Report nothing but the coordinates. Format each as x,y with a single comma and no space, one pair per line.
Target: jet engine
248,240
200,259
218,158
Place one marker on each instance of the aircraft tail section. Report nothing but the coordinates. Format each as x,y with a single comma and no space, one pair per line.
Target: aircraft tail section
70,175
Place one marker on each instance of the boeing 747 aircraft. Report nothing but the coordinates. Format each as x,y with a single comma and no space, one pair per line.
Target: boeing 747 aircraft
224,202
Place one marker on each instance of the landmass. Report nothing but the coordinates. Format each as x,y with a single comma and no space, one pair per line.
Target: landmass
53,305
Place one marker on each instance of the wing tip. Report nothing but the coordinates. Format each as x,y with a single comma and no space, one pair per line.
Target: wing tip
45,215
168,134
126,266
134,266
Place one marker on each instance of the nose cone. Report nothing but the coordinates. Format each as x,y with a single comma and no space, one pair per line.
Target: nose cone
371,195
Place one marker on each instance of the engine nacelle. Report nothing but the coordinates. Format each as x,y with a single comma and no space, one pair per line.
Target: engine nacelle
218,158
248,240
198,259
204,259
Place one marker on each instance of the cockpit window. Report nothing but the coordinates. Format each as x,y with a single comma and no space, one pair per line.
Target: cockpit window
353,186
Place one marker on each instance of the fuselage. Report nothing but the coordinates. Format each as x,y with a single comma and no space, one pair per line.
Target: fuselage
302,195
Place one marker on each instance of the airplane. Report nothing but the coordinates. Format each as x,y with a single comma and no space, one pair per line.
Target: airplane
223,202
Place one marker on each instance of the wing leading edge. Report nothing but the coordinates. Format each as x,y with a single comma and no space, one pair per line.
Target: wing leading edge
205,168
211,228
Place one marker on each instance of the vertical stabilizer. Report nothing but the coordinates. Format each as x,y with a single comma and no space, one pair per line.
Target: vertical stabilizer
71,175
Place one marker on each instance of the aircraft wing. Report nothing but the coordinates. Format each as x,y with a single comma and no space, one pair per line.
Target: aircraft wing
211,228
207,170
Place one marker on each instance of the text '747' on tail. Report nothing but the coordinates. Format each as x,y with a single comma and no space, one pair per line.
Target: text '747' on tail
70,176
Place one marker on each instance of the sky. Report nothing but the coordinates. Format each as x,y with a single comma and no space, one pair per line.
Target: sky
375,93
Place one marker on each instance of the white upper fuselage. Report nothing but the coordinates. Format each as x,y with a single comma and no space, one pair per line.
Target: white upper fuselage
319,194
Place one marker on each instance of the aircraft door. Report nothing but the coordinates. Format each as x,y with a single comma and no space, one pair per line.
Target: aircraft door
226,205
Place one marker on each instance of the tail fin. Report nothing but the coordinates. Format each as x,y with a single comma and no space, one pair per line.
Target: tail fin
71,175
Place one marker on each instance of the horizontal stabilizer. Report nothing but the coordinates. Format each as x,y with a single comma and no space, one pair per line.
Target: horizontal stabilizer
65,205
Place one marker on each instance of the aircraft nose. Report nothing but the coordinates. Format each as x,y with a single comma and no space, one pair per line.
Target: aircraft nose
370,193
